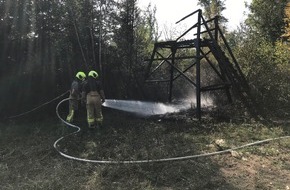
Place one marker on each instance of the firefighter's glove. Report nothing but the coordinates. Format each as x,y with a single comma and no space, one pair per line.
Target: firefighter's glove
103,100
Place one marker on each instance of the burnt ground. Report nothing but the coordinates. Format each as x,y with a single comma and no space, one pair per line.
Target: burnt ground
29,161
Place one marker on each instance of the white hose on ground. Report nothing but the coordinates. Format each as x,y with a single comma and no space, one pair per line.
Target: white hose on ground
148,160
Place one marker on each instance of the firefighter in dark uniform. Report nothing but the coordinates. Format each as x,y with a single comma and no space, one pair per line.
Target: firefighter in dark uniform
75,94
95,96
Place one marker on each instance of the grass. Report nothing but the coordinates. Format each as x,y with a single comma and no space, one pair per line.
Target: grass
29,161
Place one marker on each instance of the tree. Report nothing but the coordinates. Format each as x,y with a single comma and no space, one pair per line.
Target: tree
132,39
286,35
263,59
43,43
266,18
213,8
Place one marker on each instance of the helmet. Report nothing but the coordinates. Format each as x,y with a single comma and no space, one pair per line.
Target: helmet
93,74
81,75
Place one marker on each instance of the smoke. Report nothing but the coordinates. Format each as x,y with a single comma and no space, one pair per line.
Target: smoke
205,100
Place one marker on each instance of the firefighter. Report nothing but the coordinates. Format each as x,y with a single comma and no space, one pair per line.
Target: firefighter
75,94
95,96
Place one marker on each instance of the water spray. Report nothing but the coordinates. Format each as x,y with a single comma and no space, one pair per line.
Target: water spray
144,108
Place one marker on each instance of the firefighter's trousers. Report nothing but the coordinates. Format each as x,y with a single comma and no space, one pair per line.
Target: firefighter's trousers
94,109
73,106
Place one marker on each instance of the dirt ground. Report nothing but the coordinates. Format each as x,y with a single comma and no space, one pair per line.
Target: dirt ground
256,172
29,161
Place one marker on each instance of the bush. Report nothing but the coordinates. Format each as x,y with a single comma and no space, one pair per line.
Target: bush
267,68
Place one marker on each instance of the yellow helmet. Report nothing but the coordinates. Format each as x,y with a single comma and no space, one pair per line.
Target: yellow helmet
81,75
93,74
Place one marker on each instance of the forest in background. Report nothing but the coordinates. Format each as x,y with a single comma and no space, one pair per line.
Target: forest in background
44,43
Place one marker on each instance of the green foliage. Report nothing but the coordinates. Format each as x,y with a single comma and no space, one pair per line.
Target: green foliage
267,69
131,44
213,8
266,18
264,59
43,43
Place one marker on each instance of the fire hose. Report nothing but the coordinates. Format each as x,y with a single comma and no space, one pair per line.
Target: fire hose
181,158
38,107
